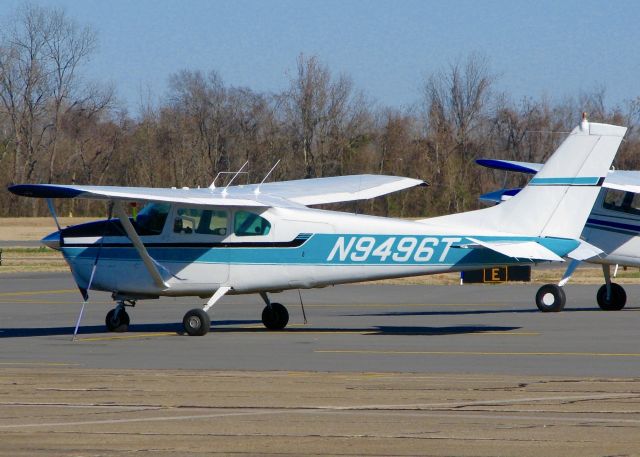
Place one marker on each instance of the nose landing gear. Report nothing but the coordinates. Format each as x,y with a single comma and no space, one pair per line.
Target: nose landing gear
117,320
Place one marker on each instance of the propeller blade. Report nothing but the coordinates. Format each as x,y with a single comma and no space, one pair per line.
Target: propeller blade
83,291
75,331
85,295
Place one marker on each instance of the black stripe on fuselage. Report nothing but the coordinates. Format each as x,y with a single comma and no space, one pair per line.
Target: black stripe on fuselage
296,242
610,225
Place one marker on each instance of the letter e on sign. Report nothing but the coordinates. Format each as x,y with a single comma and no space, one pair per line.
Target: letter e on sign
495,274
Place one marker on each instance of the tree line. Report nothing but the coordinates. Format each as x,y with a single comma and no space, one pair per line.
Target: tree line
57,127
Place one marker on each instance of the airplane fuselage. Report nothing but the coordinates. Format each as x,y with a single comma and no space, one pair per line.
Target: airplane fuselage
273,249
614,227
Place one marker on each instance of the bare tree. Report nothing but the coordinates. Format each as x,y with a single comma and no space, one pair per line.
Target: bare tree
324,116
201,103
40,52
456,109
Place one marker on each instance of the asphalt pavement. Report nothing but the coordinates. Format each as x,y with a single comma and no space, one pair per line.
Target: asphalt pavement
377,370
488,329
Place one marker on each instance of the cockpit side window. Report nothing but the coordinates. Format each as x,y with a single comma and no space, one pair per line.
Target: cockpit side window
618,200
151,219
205,222
246,223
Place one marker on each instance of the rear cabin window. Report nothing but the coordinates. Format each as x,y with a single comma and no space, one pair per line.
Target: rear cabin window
151,219
205,222
626,202
246,223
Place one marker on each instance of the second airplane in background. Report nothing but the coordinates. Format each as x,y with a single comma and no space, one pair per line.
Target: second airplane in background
613,226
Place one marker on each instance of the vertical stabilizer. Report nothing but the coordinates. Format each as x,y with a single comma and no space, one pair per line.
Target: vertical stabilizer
559,198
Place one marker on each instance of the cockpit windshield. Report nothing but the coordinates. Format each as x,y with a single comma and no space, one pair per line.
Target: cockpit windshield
151,218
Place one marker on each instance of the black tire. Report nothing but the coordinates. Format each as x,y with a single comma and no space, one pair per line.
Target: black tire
550,298
617,300
275,317
117,324
196,322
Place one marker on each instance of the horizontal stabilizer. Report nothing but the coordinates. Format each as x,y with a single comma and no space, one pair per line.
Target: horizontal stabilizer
624,180
519,249
499,196
585,251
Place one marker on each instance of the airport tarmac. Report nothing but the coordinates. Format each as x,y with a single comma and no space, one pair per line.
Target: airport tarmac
377,370
444,329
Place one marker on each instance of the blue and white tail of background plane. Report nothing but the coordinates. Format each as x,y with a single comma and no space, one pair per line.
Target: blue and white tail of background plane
264,238
613,226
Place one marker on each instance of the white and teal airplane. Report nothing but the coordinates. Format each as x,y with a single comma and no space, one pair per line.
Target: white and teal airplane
263,238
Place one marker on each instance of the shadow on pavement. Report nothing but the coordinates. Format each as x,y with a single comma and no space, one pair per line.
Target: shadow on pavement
95,329
470,312
228,327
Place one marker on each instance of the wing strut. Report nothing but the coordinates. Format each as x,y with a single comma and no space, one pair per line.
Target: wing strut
139,245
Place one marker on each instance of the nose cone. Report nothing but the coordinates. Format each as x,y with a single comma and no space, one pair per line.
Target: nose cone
52,240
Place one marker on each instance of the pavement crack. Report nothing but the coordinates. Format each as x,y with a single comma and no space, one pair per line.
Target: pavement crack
519,386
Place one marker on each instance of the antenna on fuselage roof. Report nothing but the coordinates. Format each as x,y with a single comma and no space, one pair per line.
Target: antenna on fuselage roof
234,173
257,191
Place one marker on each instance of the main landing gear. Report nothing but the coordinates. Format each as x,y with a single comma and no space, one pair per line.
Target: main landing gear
197,321
610,296
550,298
274,316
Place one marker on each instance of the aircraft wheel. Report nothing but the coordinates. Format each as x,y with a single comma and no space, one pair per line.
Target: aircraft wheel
617,300
550,298
119,323
196,322
275,317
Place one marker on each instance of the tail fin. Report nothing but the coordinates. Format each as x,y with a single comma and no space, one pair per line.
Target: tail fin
558,200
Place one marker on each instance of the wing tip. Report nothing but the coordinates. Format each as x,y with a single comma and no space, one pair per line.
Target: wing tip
507,165
43,191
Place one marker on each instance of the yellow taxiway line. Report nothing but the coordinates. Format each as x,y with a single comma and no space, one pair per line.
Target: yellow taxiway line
40,364
37,292
19,301
401,305
128,337
479,353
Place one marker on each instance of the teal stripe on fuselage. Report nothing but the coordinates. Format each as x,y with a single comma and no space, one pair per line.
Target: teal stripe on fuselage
581,181
332,249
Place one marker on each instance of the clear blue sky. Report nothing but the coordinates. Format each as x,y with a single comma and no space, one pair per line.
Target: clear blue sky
553,48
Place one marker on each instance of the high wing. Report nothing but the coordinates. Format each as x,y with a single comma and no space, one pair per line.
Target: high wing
195,197
336,189
510,165
625,180
285,193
